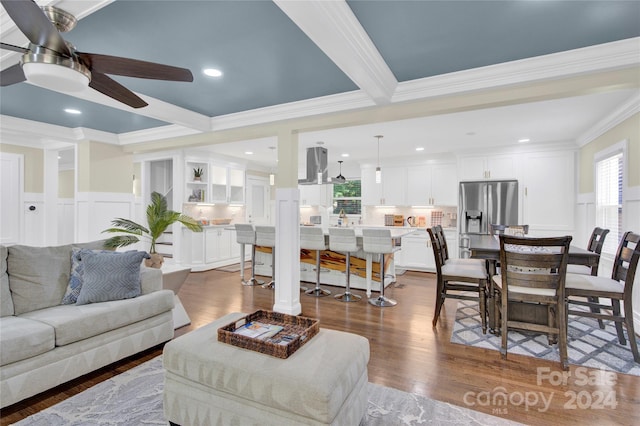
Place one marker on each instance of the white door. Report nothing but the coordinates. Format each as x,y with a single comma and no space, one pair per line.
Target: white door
11,198
258,197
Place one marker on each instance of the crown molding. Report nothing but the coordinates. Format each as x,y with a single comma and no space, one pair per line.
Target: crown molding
626,110
299,109
602,57
333,27
156,133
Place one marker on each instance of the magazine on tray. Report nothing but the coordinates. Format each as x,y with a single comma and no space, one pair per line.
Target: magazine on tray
259,330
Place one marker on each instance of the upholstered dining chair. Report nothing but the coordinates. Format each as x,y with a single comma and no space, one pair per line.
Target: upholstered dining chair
533,271
458,280
618,288
439,234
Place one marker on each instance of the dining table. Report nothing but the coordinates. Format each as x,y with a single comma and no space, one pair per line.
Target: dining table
488,247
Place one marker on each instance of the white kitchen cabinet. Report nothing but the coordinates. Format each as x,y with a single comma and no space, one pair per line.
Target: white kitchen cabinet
196,189
315,195
432,185
390,192
416,252
218,183
227,185
212,248
495,166
547,188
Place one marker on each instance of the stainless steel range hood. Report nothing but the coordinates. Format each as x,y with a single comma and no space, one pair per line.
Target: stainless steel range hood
316,162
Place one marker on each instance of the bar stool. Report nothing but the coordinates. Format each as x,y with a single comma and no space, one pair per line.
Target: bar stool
344,240
266,237
379,241
245,234
312,238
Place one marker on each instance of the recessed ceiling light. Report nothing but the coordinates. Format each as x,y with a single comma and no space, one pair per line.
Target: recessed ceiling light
212,72
248,152
344,155
72,111
419,148
524,140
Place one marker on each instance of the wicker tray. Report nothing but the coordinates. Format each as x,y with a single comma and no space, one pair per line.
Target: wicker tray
305,328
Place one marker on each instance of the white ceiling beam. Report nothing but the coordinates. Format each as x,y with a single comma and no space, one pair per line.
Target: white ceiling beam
333,27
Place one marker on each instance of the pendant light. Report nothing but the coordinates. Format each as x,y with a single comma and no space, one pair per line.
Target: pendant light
378,171
340,178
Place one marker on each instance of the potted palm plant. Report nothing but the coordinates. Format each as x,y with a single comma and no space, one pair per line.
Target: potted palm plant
159,219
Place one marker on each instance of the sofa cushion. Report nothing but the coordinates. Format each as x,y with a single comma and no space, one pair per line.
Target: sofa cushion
38,276
24,338
6,302
73,323
110,275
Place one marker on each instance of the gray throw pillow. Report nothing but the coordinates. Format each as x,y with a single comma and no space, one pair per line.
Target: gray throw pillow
110,276
38,276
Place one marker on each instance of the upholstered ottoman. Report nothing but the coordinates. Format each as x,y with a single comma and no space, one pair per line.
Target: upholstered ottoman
212,383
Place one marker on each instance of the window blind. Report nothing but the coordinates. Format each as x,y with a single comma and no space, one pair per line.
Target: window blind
609,200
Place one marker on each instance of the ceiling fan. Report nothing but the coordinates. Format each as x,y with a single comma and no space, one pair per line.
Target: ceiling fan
50,61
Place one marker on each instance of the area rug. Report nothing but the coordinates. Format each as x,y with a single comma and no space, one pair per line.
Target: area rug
588,345
135,398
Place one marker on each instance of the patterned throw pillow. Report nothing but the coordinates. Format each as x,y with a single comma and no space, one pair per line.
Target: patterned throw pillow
75,278
110,276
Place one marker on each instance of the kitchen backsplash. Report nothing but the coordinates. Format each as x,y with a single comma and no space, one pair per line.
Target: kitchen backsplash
444,216
200,212
375,216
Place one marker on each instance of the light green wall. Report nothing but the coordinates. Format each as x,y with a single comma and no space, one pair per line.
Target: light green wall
65,184
104,168
33,166
629,130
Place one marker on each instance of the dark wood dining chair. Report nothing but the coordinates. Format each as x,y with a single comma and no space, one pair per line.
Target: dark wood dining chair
455,280
533,271
596,242
618,288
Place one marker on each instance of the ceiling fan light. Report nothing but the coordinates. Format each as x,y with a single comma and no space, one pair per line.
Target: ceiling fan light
57,77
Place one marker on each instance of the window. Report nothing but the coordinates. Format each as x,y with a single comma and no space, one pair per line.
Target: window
347,197
609,184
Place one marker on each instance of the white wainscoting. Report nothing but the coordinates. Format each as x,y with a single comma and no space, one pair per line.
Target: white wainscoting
33,211
66,219
585,222
96,210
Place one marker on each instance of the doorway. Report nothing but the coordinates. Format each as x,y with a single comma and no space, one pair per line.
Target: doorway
258,200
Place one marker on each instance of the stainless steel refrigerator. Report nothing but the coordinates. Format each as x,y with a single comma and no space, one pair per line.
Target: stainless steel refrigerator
487,202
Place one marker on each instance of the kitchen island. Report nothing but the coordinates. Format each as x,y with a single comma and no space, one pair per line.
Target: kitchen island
365,269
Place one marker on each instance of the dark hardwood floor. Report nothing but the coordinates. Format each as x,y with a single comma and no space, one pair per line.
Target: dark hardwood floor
406,354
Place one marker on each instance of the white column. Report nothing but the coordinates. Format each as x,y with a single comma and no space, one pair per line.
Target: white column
287,288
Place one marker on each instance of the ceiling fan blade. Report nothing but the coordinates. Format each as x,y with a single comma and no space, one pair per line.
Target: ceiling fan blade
116,65
12,75
28,16
18,49
115,90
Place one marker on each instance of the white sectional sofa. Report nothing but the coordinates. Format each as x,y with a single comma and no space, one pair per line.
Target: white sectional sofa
44,343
